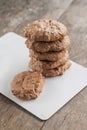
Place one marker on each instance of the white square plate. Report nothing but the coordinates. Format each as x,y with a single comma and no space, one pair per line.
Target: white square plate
57,91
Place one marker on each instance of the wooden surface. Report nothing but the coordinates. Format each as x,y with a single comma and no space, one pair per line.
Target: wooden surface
14,14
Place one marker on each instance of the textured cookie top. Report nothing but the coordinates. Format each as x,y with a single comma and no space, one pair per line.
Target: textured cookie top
27,85
45,30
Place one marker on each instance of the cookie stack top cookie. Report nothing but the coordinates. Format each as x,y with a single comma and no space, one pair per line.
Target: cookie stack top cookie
45,30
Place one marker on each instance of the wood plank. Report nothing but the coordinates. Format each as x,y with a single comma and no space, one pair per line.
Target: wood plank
73,115
54,10
3,102
75,19
13,115
16,18
14,15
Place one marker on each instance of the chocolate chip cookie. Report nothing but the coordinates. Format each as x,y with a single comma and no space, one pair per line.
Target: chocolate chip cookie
49,46
27,85
45,30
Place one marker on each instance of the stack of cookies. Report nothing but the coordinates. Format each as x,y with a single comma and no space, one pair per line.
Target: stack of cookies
48,43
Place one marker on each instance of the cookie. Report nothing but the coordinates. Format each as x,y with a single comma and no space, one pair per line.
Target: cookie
57,71
49,46
44,65
45,30
49,56
27,85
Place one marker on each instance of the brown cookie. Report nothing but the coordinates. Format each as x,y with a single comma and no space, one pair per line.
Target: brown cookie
45,65
56,71
45,30
49,46
27,85
49,56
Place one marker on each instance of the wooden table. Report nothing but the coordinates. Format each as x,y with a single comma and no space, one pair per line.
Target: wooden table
14,15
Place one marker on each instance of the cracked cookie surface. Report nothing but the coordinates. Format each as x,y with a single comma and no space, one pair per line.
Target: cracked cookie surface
27,85
45,30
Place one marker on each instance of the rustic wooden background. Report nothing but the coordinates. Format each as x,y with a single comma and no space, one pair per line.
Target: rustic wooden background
14,15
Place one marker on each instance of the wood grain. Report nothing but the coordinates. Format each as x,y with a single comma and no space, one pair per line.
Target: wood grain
14,15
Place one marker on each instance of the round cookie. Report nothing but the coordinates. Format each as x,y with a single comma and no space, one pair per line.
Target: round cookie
57,71
45,30
49,56
45,65
49,46
27,85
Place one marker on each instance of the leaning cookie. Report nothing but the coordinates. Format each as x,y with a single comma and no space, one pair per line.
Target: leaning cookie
45,30
49,46
57,71
49,56
27,85
44,65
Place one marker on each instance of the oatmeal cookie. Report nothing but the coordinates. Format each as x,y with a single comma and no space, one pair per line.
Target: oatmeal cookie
39,65
45,30
49,56
57,71
49,46
27,85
